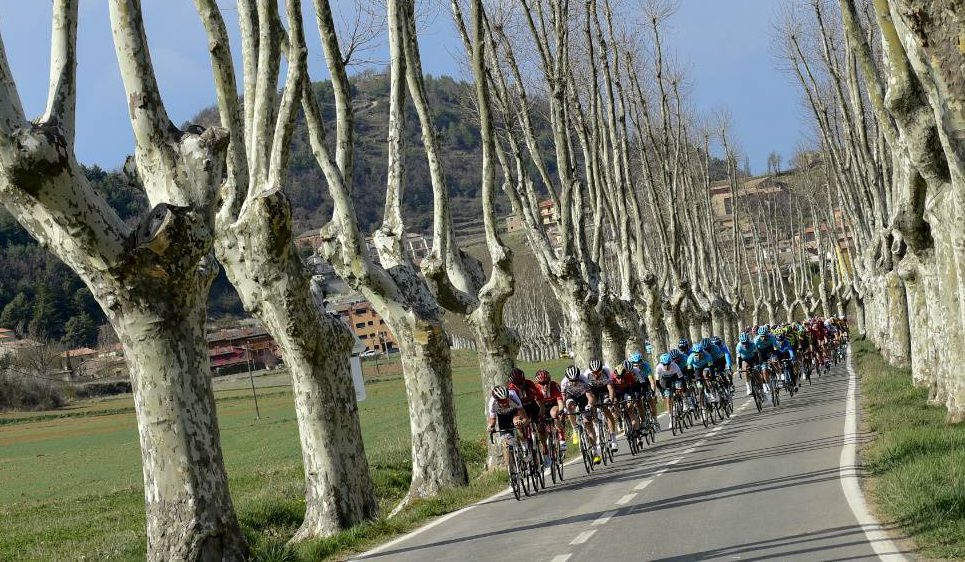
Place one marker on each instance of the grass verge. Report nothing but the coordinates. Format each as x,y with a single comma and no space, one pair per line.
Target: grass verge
916,461
70,481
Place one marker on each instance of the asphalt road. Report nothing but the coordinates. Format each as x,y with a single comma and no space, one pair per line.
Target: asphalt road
758,486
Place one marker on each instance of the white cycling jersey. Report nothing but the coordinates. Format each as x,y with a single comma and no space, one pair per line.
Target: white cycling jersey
601,381
497,409
574,388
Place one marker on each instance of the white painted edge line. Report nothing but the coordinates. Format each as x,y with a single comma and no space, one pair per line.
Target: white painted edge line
583,537
626,499
882,544
561,557
604,518
644,483
448,516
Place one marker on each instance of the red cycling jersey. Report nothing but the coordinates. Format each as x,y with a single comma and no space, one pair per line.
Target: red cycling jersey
551,394
529,392
623,381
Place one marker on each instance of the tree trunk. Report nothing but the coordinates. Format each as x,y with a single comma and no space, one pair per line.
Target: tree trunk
189,511
898,340
437,463
263,265
496,346
585,332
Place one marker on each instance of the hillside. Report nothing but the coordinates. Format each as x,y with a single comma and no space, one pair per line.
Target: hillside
41,297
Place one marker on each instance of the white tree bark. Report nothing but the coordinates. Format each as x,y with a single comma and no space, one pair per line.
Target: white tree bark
152,281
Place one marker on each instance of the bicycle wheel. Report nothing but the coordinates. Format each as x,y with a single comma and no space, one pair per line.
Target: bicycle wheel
674,417
554,449
585,449
514,482
522,466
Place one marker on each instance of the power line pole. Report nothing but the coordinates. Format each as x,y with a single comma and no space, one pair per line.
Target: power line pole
251,379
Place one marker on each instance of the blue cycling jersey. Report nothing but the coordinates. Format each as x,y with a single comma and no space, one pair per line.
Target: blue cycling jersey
703,362
746,350
644,368
785,349
766,343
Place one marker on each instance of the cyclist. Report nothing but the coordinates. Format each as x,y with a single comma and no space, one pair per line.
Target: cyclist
697,364
722,361
575,389
601,389
532,399
785,352
766,344
626,388
683,346
746,352
551,398
667,373
648,383
506,411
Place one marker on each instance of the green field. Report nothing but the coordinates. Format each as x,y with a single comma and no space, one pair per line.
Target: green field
70,480
916,461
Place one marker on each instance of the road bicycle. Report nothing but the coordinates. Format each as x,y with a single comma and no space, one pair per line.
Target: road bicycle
678,415
787,370
723,382
628,415
649,425
518,480
708,398
757,387
533,458
603,433
586,450
770,374
553,447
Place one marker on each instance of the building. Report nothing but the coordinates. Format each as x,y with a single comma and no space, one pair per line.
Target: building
367,325
232,350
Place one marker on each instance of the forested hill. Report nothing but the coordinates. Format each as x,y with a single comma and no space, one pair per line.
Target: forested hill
457,132
40,296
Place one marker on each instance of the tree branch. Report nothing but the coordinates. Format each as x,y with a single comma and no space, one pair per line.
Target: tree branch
62,93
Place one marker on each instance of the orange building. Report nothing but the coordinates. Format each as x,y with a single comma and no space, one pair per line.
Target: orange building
367,325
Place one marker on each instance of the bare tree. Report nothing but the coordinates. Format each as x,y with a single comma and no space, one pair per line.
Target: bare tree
255,245
151,280
393,286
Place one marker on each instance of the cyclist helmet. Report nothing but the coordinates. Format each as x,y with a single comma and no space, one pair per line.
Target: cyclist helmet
705,343
636,357
500,392
699,348
675,354
743,337
762,331
683,344
627,365
665,359
716,340
543,376
516,376
572,372
596,365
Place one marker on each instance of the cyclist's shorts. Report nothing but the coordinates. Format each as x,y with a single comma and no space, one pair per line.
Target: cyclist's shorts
628,395
581,401
601,393
505,423
532,410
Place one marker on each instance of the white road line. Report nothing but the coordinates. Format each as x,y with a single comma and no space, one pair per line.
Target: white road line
873,531
604,518
583,537
561,557
672,462
643,484
626,499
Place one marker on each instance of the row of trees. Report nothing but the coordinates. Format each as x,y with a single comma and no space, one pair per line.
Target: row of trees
626,165
883,81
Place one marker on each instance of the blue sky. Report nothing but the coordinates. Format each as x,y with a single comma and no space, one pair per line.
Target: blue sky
724,45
